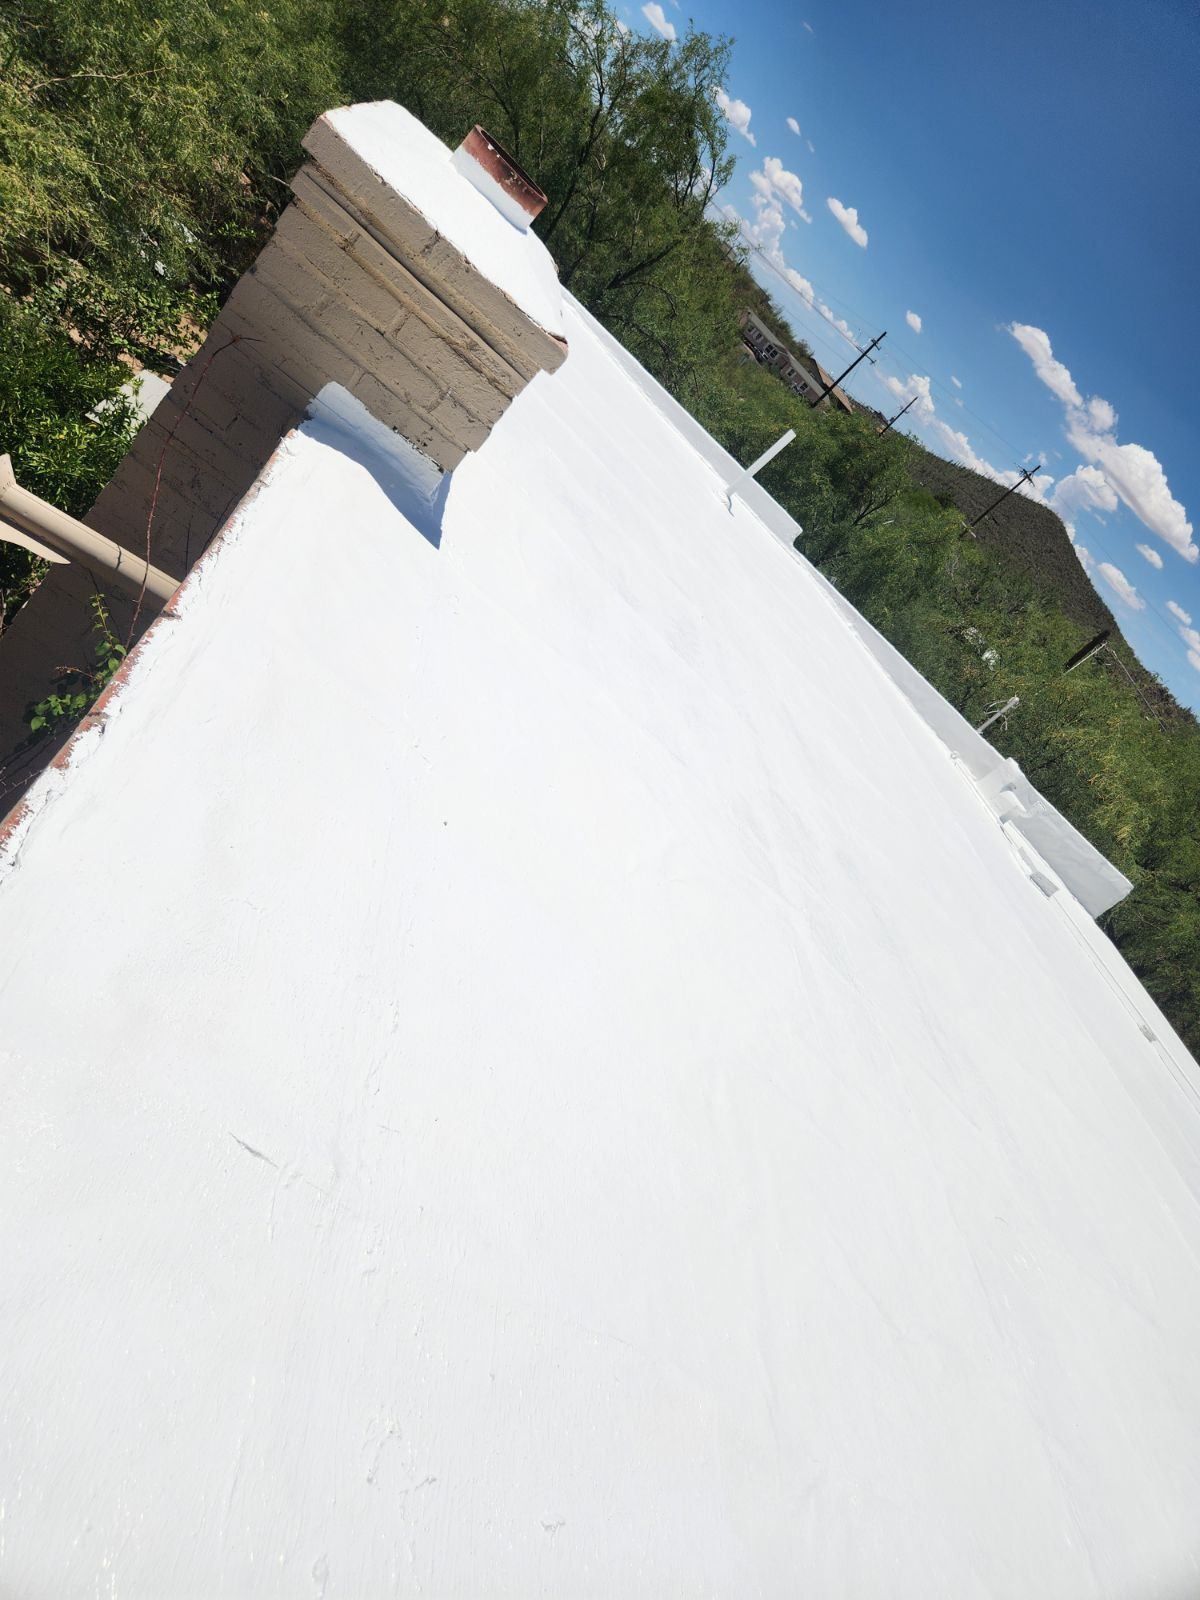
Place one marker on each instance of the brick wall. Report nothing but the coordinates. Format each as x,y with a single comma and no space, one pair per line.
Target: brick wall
355,287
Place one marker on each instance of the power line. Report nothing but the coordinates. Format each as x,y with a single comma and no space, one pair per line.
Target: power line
948,394
919,361
756,249
1171,628
861,356
891,421
773,266
1012,489
781,274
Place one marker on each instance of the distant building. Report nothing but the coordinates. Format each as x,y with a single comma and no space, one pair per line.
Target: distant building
766,349
839,396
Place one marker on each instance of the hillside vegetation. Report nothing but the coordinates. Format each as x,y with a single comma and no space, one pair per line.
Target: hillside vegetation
1029,536
145,151
1033,543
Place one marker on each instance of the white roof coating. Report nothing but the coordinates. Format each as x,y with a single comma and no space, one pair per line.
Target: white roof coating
529,1071
401,150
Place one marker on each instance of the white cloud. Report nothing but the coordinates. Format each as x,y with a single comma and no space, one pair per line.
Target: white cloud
1189,635
1191,638
812,149
775,180
736,112
768,228
807,25
1081,550
1138,477
1085,489
801,285
1151,555
848,217
1121,586
766,232
914,387
1053,374
622,27
956,444
1132,472
794,126
914,320
1101,415
961,449
955,381
658,19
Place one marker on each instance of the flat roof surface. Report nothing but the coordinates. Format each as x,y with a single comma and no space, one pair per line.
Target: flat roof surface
529,1071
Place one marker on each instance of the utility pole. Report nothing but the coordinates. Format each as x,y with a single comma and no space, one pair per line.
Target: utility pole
1087,651
1099,643
862,356
897,417
1024,478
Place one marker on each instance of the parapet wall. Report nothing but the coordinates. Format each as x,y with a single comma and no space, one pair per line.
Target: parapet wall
410,305
1090,877
358,287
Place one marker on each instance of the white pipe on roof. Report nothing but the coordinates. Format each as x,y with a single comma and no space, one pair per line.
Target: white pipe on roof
755,467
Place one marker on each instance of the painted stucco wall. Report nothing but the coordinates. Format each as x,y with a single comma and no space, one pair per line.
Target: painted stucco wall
530,1071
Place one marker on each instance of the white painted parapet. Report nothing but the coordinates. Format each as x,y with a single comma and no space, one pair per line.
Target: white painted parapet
1091,878
390,274
399,272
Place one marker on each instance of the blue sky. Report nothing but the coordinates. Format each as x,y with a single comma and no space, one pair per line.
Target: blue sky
1024,180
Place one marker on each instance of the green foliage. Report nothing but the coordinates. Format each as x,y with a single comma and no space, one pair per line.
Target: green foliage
78,687
138,143
63,421
622,132
1029,536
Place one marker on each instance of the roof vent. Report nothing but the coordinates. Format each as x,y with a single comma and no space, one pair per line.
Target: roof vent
489,167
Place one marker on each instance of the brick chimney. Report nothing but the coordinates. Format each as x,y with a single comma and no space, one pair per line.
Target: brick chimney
400,270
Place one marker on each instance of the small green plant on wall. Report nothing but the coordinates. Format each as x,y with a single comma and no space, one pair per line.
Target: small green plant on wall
79,687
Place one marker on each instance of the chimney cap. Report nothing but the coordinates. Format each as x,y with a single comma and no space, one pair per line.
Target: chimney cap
519,198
